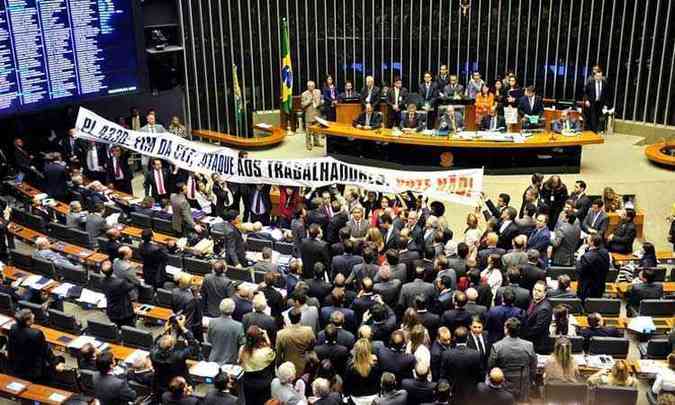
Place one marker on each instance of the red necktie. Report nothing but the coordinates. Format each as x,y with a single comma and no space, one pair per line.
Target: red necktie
160,182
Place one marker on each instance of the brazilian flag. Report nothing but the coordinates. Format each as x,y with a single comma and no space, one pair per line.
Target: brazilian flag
286,70
238,102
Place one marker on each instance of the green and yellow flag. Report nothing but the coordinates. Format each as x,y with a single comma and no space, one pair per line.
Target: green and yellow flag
238,102
286,70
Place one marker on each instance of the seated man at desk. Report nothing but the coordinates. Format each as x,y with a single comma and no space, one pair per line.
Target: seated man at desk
368,119
493,122
413,121
349,95
451,121
567,123
43,251
531,108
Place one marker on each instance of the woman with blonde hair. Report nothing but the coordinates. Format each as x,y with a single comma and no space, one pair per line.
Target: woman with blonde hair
612,201
618,376
472,233
362,374
374,236
561,366
417,346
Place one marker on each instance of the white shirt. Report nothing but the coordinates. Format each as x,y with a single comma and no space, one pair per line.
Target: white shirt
598,89
396,91
494,279
92,160
504,225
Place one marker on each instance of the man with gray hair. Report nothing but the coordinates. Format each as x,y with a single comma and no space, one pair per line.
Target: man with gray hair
43,251
311,101
389,395
260,317
225,335
266,264
282,386
531,272
75,216
321,389
123,268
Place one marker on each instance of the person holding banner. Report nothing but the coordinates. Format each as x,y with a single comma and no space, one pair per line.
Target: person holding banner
118,173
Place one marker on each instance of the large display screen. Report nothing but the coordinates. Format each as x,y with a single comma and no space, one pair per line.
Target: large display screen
64,51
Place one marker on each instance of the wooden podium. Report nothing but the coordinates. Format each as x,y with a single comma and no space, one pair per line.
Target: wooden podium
346,113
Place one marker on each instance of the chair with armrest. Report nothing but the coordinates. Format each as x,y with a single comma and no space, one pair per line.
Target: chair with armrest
612,346
103,330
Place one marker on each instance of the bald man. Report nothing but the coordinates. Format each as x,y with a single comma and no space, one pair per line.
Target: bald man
311,101
122,268
493,390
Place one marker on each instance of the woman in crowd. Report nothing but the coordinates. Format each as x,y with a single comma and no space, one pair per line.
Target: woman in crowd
176,128
560,326
417,345
612,201
499,95
561,366
256,358
493,273
330,98
282,387
485,101
472,233
374,237
362,375
531,193
289,201
618,376
552,199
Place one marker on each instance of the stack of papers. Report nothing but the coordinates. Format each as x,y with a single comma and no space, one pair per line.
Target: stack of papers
135,356
173,270
642,324
212,220
56,397
92,298
232,369
36,282
600,361
62,290
205,369
80,341
15,387
651,366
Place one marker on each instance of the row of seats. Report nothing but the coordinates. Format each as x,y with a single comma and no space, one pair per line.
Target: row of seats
562,394
662,273
612,307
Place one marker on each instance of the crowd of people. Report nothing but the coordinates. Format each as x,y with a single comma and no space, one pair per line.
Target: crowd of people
380,302
438,104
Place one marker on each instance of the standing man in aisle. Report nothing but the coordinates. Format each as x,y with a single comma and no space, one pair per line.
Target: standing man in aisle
596,95
311,102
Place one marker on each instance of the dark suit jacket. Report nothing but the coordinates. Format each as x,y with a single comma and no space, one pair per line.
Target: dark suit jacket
472,344
536,325
375,119
601,331
402,97
624,235
336,353
530,274
313,251
483,255
56,178
374,96
124,166
522,300
418,122
419,391
592,269
487,394
525,108
150,181
111,390
589,92
344,263
429,96
216,397
116,291
261,320
154,258
643,291
506,236
235,250
263,195
463,368
486,122
401,364
28,354
455,318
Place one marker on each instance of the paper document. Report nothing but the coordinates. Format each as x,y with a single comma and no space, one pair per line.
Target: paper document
56,397
135,356
205,369
15,387
80,341
62,290
642,324
90,297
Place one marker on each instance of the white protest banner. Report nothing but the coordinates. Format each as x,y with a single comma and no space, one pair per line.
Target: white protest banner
460,186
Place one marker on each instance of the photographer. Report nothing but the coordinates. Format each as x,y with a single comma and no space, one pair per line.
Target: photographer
169,361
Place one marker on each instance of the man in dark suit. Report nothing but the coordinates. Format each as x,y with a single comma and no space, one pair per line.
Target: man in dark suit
94,158
522,295
330,349
478,340
462,367
344,263
454,318
429,93
340,318
582,203
493,122
596,328
154,258
335,223
563,290
621,240
494,391
596,97
394,359
71,149
531,107
260,319
390,234
118,173
492,241
261,204
497,316
530,273
412,120
349,94
540,237
597,220
370,94
409,291
313,250
443,77
235,250
389,394
56,177
110,389
368,119
387,287
117,291
215,287
592,269
508,229
419,388
396,99
538,318
135,121
440,345
28,353
647,289
157,180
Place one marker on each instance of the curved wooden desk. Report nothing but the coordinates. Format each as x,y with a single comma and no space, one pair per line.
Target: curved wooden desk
655,154
543,152
276,136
